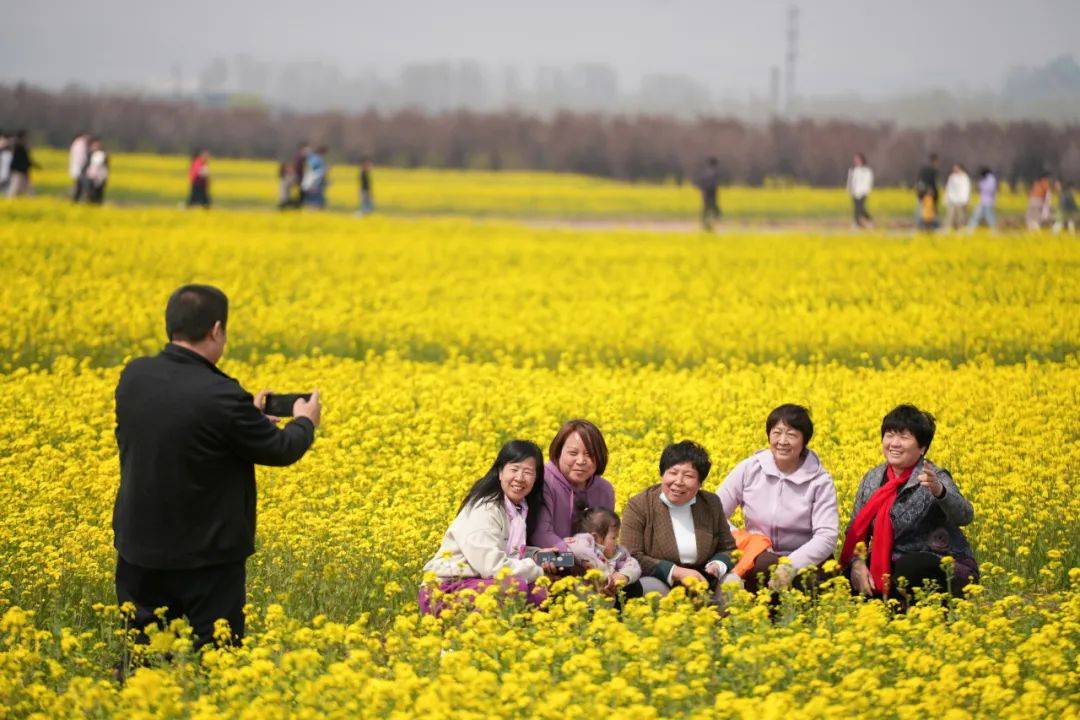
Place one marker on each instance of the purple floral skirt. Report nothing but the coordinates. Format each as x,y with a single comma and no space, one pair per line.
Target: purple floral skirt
533,595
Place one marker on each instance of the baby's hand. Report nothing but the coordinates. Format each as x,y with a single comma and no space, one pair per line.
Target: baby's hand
614,583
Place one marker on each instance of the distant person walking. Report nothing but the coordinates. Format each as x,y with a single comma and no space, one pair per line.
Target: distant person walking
957,197
96,173
78,155
286,183
708,181
367,202
1067,210
984,211
299,164
860,181
5,162
926,192
199,177
21,164
1038,209
315,180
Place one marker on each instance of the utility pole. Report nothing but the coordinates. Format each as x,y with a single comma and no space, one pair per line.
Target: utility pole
790,57
774,91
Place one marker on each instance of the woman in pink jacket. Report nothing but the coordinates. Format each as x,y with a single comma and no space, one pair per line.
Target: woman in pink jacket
787,496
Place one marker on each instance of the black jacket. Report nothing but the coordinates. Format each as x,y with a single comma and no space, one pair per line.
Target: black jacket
927,182
20,159
189,439
709,181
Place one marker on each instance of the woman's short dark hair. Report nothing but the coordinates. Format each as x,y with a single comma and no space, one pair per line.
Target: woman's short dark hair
488,488
192,311
591,438
908,417
597,521
795,417
686,451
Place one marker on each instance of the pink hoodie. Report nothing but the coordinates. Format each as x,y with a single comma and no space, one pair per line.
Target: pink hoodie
560,509
796,512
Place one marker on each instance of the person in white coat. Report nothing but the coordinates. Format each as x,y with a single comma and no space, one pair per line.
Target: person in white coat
5,162
485,544
860,181
96,173
957,197
78,155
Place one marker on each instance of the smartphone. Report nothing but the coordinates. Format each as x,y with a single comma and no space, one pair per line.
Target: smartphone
281,404
561,560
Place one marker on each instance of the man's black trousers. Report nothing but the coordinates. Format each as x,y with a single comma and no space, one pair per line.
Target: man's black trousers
202,595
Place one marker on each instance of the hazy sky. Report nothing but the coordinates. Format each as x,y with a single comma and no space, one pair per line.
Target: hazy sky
869,46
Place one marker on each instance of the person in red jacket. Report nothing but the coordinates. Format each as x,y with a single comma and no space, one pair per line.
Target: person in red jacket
199,177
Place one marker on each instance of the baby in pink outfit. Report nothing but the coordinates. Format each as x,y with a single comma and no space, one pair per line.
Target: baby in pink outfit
596,547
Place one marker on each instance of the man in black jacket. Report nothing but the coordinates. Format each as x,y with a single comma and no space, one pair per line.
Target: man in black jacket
21,163
709,184
189,439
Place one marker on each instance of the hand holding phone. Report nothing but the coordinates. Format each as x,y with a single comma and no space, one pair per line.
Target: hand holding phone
557,560
281,404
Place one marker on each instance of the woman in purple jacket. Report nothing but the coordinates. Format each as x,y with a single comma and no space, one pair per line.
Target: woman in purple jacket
577,458
786,495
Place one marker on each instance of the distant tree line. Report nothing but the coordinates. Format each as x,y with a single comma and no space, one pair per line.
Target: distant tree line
816,152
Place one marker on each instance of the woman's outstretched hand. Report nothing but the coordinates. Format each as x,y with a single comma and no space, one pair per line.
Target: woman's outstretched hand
928,479
860,577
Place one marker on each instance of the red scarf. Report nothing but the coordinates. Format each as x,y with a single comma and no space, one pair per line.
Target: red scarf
876,512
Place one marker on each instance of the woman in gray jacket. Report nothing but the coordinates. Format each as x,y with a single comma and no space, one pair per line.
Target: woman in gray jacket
909,512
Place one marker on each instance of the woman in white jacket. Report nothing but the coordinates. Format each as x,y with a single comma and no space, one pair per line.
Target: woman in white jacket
860,181
957,197
488,534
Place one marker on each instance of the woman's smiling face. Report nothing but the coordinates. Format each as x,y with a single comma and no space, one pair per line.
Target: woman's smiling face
901,449
517,479
680,483
786,443
575,463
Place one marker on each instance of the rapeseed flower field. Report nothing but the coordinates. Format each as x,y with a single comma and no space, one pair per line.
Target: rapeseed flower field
433,341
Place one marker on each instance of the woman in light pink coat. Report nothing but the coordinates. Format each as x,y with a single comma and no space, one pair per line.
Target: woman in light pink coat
786,495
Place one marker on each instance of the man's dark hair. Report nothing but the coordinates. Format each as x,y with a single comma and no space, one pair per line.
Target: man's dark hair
915,421
686,451
192,311
933,158
795,417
